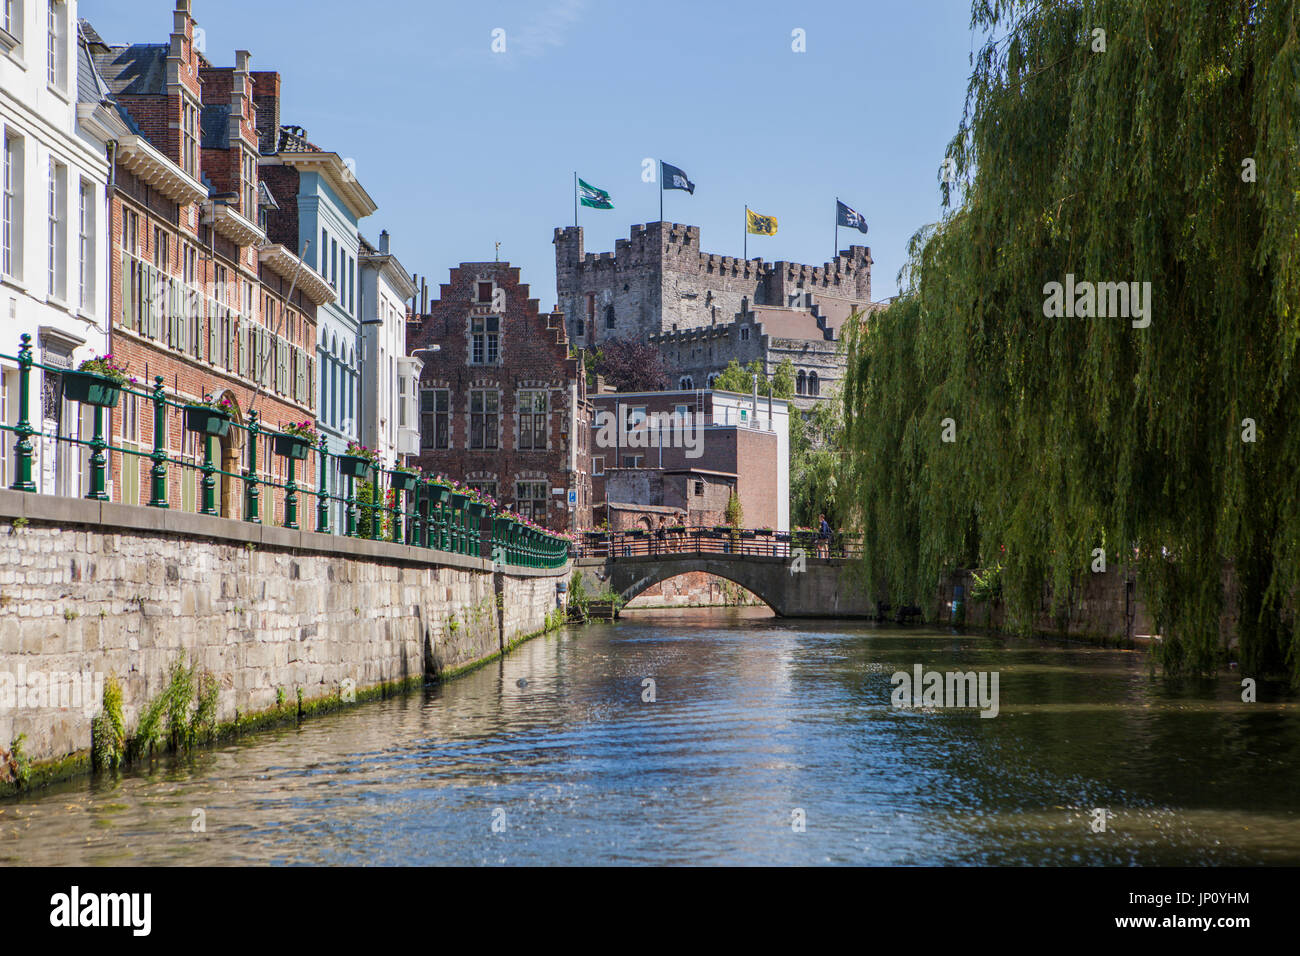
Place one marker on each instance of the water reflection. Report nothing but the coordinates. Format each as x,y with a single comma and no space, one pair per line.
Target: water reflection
754,717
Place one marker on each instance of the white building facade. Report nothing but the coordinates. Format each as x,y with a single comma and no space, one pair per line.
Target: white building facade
54,251
389,411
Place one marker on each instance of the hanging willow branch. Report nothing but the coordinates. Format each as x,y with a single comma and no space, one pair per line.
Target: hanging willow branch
1129,165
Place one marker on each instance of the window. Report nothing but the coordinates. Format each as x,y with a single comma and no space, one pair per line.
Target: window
686,383
190,139
86,246
814,386
801,383
10,23
11,230
131,232
485,292
159,249
632,461
485,334
532,420
744,335
579,328
324,254
54,71
609,316
58,230
635,416
352,285
488,488
598,465
530,499
334,264
250,187
435,417
484,411
699,489
401,401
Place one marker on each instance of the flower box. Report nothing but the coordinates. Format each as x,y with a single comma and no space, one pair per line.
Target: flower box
438,494
355,466
478,509
677,529
91,389
747,534
458,502
722,529
763,532
292,446
207,421
634,532
403,480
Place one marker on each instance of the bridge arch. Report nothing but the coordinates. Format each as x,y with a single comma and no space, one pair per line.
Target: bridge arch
760,576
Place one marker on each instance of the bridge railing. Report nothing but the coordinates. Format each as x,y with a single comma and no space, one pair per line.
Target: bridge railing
398,505
756,542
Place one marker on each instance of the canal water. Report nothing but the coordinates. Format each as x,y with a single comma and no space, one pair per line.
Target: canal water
767,742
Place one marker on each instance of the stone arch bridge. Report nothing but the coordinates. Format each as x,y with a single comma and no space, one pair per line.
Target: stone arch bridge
794,579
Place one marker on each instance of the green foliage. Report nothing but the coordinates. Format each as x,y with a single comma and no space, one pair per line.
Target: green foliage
1075,433
19,764
108,730
735,378
367,497
817,464
176,718
735,512
986,585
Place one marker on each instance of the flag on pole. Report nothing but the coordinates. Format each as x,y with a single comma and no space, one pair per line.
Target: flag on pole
848,216
759,225
674,178
589,195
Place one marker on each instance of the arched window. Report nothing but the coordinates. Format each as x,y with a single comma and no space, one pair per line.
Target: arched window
686,383
801,383
579,328
712,378
813,387
609,316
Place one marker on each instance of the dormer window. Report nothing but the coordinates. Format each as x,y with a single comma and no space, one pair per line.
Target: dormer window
485,292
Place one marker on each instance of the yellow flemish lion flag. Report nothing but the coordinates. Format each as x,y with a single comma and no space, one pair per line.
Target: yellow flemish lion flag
759,225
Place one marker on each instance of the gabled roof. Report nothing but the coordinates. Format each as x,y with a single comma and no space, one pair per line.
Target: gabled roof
137,69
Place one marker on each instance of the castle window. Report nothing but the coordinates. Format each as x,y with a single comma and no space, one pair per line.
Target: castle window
484,411
532,420
485,291
530,499
579,328
801,383
609,316
435,418
686,383
485,334
813,387
744,335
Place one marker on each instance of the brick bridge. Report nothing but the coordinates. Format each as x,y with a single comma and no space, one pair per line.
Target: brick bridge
803,577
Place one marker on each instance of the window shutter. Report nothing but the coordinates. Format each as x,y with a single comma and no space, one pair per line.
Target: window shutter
213,348
243,351
127,317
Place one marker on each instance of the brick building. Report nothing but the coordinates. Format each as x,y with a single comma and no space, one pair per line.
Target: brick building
728,444
503,403
703,310
198,294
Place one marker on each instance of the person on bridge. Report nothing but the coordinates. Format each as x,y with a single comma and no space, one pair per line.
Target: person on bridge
823,536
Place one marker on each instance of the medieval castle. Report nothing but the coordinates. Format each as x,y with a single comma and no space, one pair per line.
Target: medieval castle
704,310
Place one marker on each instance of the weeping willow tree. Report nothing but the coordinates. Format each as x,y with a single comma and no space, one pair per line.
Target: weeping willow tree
1113,141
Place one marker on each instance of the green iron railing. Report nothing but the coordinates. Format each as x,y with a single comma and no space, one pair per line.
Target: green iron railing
415,510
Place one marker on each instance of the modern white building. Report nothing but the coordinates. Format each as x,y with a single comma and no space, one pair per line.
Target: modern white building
388,398
54,272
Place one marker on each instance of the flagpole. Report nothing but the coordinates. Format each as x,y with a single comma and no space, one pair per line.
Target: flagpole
747,232
575,199
661,190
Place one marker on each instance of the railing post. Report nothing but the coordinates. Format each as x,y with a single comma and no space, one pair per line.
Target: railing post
23,447
251,492
291,498
350,528
97,459
398,514
209,480
323,500
158,472
377,508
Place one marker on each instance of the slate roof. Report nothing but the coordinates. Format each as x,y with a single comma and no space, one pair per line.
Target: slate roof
214,123
134,70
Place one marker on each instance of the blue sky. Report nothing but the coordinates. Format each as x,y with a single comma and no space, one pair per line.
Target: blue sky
462,147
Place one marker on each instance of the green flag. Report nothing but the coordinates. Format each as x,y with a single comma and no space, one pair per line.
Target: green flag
593,197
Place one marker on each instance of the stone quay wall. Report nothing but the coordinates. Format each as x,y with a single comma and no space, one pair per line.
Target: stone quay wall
109,590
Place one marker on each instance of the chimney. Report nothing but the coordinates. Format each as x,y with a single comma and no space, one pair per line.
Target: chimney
383,242
239,106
